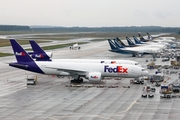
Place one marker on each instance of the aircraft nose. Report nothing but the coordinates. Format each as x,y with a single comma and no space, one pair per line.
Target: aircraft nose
145,72
139,65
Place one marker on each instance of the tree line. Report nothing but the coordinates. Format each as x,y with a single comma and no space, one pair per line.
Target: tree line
14,28
90,29
110,29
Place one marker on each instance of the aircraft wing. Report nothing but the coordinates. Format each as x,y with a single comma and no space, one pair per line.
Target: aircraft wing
131,51
73,72
134,50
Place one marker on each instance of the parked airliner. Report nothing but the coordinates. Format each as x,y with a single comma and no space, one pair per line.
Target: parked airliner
162,40
145,44
91,71
117,47
75,47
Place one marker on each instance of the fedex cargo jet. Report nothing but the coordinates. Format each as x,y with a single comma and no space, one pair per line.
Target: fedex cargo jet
91,71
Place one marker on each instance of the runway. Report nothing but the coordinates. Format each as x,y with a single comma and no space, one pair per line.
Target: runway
50,99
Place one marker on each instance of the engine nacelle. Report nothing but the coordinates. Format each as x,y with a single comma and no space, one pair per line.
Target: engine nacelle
41,55
94,76
140,54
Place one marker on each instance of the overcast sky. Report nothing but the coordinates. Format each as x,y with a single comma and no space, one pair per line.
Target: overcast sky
91,13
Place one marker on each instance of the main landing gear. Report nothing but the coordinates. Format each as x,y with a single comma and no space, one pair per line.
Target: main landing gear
77,80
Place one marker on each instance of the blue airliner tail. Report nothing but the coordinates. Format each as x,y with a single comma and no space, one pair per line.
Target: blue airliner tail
137,41
130,42
117,47
112,45
118,44
141,38
149,36
119,40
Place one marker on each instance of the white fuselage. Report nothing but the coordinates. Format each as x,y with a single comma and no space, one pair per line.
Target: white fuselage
98,61
75,46
153,45
161,42
143,49
83,69
164,40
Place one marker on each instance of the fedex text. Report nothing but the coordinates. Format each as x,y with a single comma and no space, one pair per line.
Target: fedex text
118,69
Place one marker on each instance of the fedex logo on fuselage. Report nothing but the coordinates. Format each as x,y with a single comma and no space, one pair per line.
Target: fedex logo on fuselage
118,69
20,53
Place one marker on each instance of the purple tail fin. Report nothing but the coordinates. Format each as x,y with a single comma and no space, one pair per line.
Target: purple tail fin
24,61
20,54
39,54
35,47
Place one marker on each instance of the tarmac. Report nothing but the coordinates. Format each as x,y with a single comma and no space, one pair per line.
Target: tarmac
51,99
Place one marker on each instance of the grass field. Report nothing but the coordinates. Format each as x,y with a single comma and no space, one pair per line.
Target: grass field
58,46
5,54
5,42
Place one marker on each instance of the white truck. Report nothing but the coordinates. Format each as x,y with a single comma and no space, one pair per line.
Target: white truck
31,80
138,80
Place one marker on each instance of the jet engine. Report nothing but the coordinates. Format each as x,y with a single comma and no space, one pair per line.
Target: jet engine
140,54
94,76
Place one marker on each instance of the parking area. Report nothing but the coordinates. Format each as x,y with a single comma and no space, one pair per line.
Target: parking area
55,98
